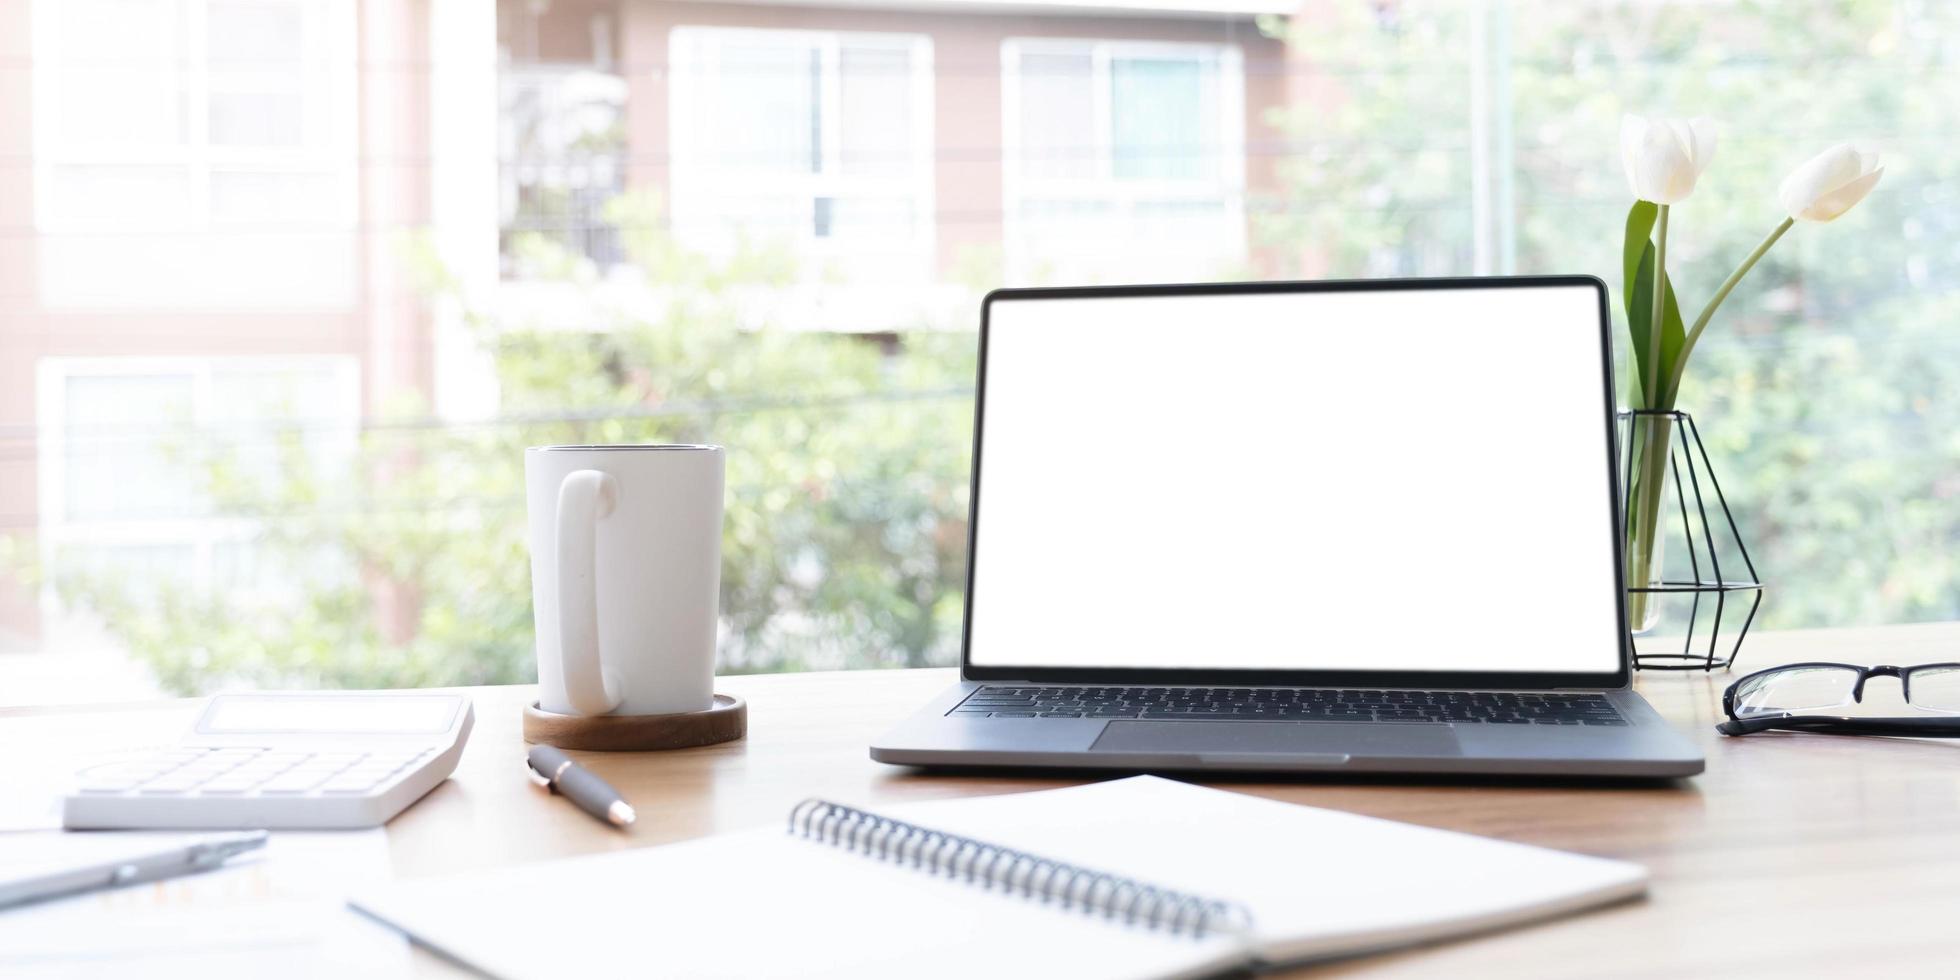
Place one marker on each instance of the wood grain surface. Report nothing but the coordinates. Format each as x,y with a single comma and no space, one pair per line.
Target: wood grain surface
726,720
1792,856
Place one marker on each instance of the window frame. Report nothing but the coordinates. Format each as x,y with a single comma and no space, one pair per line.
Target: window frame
691,51
1226,61
203,534
328,147
546,77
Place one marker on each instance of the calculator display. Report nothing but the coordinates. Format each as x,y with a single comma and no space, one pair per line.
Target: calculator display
394,714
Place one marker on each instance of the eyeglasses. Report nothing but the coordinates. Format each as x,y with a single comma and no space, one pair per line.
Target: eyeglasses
1789,698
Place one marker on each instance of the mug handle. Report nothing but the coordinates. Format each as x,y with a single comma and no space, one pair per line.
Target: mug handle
583,498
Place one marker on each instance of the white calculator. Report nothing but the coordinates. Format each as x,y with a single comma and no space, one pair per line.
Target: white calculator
312,760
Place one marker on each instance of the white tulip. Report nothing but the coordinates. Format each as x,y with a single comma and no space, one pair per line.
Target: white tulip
1830,184
1664,157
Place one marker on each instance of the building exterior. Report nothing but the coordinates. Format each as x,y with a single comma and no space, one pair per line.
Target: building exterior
898,146
207,204
202,204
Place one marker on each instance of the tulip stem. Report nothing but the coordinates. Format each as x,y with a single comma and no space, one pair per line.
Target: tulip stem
1659,312
1708,312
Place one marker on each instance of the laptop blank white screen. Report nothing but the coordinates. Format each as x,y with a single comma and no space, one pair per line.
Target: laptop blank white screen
1405,480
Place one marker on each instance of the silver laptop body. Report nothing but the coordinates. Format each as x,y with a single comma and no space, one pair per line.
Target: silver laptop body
1296,527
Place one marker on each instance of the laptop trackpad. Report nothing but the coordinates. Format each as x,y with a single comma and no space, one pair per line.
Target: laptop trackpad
1276,737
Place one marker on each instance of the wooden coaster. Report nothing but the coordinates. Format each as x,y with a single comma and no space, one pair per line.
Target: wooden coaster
725,721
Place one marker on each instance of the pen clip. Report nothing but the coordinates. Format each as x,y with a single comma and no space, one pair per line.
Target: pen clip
538,779
210,854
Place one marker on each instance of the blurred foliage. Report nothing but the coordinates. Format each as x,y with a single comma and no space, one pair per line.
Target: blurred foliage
1828,390
1828,387
844,539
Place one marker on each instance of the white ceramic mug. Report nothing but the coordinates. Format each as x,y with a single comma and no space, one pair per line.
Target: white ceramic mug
625,576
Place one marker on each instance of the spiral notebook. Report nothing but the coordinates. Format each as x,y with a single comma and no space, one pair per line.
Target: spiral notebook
1138,877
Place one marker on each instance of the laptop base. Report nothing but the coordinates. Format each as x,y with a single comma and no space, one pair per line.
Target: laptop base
1644,748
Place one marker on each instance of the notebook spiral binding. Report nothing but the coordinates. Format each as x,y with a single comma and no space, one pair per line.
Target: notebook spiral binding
1048,881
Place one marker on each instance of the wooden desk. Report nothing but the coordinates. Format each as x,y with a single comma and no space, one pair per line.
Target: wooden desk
1792,856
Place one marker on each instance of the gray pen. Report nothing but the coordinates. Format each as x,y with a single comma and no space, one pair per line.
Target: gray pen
556,771
177,860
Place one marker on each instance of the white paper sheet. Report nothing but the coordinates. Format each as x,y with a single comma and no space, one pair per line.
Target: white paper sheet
1318,883
762,905
273,913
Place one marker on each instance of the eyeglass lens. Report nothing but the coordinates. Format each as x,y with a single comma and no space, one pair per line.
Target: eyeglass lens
1799,690
1794,691
1935,689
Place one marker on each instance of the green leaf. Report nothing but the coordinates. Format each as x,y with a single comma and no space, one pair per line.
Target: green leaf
1637,298
1640,304
1640,231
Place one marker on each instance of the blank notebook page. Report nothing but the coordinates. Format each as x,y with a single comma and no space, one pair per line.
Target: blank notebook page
1318,882
765,904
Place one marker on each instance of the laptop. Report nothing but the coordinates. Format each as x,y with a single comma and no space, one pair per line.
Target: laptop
1296,527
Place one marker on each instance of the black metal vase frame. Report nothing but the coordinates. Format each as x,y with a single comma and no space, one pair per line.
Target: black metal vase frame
1683,458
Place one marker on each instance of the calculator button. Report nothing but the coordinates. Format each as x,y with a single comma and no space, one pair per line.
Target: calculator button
297,781
229,785
350,784
165,785
145,762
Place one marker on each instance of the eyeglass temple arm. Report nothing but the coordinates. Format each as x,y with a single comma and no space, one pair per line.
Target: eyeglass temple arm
1922,727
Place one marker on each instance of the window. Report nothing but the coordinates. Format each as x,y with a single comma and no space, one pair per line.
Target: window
1123,159
563,143
124,469
195,152
196,193
821,141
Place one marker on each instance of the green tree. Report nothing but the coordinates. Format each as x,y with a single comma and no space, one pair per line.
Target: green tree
1829,387
844,537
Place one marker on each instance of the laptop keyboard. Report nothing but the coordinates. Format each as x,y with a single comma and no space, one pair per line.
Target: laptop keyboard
1292,704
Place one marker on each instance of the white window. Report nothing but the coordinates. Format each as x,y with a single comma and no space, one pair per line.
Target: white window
562,145
1123,159
820,141
126,462
195,153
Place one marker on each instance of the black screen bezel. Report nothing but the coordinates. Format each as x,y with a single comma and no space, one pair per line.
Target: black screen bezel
1246,677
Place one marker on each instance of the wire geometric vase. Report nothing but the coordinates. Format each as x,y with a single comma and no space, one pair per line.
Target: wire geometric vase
1706,586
